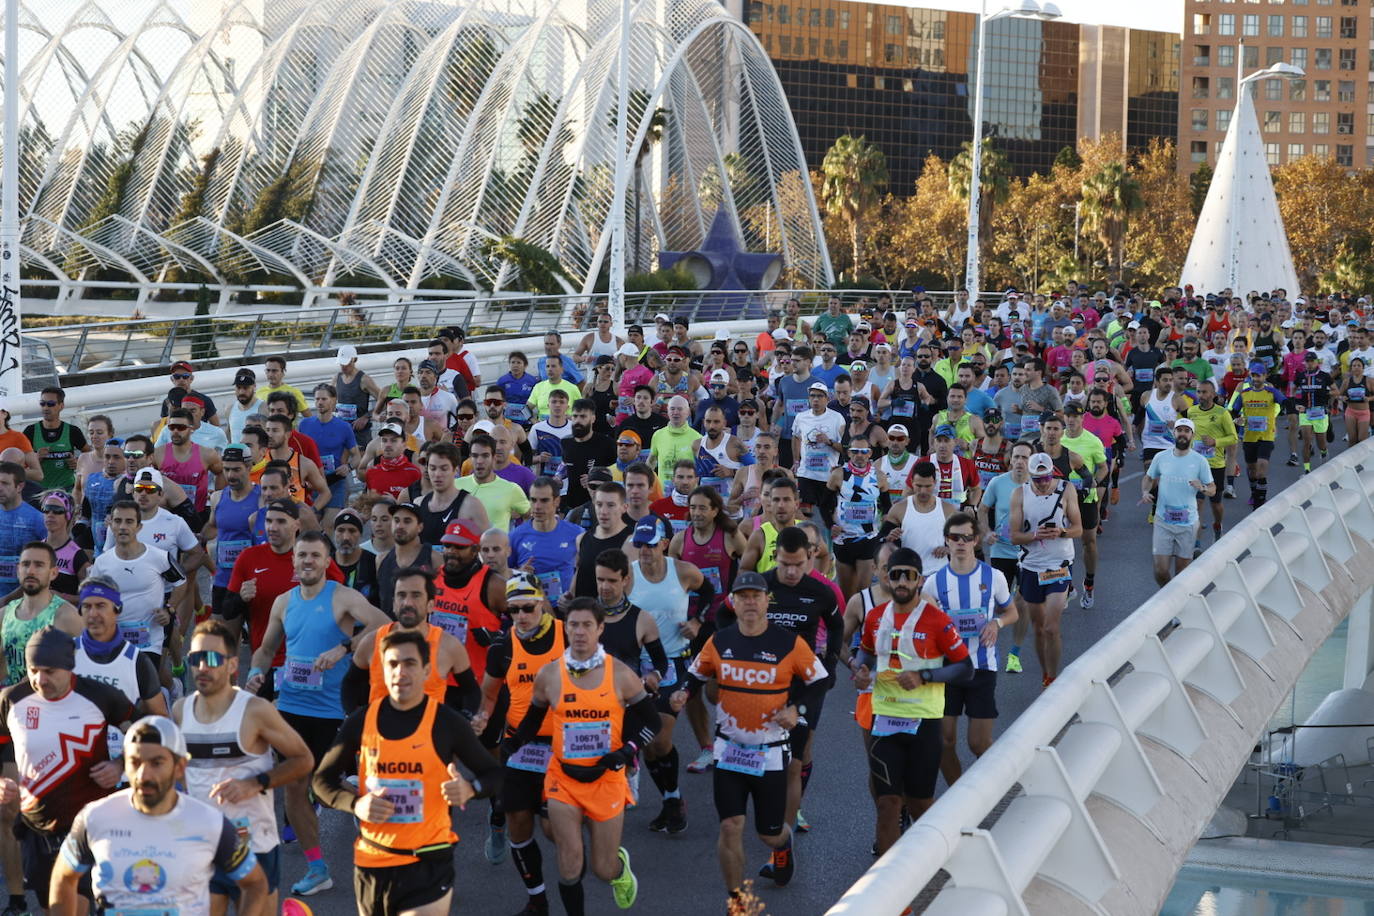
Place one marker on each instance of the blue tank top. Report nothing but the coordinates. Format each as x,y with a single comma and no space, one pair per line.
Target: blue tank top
554,554
310,632
100,493
667,602
233,531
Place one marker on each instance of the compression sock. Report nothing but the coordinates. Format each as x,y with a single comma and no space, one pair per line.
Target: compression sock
314,856
805,775
659,772
574,902
1261,490
1088,581
529,862
669,773
497,819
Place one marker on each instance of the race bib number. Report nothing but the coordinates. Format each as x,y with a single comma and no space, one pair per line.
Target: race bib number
679,524
532,758
1053,576
226,552
1316,413
742,758
1157,428
329,462
449,622
893,725
1257,424
720,484
1030,423
816,459
1206,451
903,407
407,797
793,406
970,621
346,412
517,413
1176,515
9,566
1145,376
302,674
136,634
586,740
861,513
712,574
1354,393
190,490
625,405
668,680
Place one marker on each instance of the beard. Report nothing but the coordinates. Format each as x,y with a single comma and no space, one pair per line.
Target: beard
580,430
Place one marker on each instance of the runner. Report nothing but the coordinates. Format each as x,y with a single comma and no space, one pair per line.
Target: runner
918,521
768,678
817,433
546,545
1069,434
1178,473
975,596
310,619
780,506
861,488
231,737
909,650
1044,521
1215,435
995,513
1314,391
151,848
359,567
20,523
403,857
103,655
1256,405
469,601
143,575
593,699
229,523
37,606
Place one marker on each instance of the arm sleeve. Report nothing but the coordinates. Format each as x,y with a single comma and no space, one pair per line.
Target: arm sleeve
357,684
149,685
328,781
657,656
469,693
530,725
705,595
233,854
642,721
454,740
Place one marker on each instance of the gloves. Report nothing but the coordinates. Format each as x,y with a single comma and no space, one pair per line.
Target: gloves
484,637
510,746
619,759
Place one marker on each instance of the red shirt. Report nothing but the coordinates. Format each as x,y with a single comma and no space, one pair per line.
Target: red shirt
458,362
274,575
671,511
306,446
393,477
936,634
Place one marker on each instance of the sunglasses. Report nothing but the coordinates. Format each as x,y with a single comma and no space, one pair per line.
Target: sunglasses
177,426
898,438
903,574
961,538
748,413
181,376
860,451
741,350
629,442
208,658
467,416
54,510
1042,478
720,385
147,488
493,402
133,455
522,608
47,403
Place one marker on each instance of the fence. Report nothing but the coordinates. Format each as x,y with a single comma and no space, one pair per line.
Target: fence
1105,782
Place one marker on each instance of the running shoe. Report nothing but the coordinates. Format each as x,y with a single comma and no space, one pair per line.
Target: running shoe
538,906
1086,600
1292,461
316,880
496,847
677,816
802,825
626,886
1013,663
1230,491
1046,681
784,864
1216,533
703,761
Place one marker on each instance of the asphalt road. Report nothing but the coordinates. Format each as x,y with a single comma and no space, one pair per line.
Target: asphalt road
678,875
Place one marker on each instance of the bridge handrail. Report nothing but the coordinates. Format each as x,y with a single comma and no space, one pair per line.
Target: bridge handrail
951,826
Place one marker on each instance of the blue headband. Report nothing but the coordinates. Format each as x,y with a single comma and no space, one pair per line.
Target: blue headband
98,590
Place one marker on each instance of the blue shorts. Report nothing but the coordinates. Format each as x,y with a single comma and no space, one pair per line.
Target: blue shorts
271,867
1033,592
339,495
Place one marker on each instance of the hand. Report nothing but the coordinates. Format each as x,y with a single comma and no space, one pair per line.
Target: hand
479,721
787,717
1209,441
651,681
1197,485
162,616
690,628
249,589
908,680
1147,499
675,703
528,566
71,463
457,791
822,438
373,807
894,535
42,452
233,791
483,636
863,678
987,638
9,792
254,682
106,774
1047,532
360,424
330,658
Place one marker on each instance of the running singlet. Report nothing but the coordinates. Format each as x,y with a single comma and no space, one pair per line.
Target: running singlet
99,492
922,638
311,630
15,633
436,685
461,609
990,464
217,754
666,600
970,601
586,726
191,475
856,509
233,531
715,563
410,775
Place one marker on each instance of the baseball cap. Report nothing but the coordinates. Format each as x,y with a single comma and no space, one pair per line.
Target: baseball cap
749,581
283,505
663,317
245,377
520,585
484,426
235,451
722,334
749,403
897,429
429,364
944,431
627,349
881,345
405,507
347,353
348,516
780,333
605,359
1257,367
182,364
1073,407
680,350
393,428
629,437
1189,327
460,534
862,401
818,386
858,366
992,413
1041,464
192,400
599,475
159,730
148,476
1133,325
1184,423
720,375
651,530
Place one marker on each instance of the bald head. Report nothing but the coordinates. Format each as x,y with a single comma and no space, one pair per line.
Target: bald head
494,549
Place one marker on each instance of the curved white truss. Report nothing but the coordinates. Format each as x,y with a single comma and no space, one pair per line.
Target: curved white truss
387,142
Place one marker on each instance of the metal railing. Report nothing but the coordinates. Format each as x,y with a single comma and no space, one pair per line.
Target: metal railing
1106,780
265,330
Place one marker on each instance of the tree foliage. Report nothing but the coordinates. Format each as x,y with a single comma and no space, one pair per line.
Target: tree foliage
1327,213
537,269
854,174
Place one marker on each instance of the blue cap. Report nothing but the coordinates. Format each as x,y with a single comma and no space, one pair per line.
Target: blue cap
944,429
651,529
1258,367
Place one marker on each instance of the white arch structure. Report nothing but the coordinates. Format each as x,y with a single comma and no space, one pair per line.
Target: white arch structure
384,143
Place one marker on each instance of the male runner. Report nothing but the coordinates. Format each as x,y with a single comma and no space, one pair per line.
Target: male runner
995,514
1255,405
1044,521
102,654
37,607
1215,434
142,574
1180,475
229,524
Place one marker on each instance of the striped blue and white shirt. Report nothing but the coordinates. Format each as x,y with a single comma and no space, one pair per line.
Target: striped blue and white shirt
971,601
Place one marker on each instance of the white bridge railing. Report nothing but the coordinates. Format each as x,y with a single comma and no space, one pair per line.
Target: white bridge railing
1114,771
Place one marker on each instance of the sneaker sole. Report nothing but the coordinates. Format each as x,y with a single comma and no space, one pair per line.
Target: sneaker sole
320,888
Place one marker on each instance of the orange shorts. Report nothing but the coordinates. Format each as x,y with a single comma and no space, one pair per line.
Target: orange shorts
602,800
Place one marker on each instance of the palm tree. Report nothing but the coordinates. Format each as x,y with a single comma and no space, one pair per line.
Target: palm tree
658,128
994,180
854,172
1110,196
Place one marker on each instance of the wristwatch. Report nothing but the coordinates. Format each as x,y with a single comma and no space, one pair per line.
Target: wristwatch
265,781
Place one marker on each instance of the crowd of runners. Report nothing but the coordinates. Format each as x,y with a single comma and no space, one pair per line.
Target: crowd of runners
503,589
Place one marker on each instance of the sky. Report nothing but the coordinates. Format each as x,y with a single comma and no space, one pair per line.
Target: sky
1158,15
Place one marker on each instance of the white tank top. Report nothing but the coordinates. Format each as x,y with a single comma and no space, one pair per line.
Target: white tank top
667,601
217,754
601,347
120,672
1041,555
896,477
721,452
1159,421
924,532
748,443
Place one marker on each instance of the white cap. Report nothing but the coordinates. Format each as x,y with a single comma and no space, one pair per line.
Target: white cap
627,349
896,429
1300,301
661,316
1190,327
780,334
819,386
159,730
1040,463
484,426
347,353
1184,423
720,375
149,475
1133,325
881,345
722,334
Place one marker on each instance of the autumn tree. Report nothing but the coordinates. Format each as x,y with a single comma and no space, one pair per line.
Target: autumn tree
1324,210
931,228
855,174
1160,234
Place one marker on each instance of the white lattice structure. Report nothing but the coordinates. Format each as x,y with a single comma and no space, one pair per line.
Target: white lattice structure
381,143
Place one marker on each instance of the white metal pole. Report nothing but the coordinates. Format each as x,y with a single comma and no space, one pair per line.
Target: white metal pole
1231,237
976,160
11,348
622,128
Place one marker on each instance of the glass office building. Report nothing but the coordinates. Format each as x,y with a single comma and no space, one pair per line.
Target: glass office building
902,76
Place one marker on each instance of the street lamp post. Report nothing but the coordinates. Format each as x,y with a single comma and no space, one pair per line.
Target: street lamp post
1242,86
615,299
1024,9
11,348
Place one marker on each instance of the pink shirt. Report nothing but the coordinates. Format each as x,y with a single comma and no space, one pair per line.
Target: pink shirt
1057,358
1104,427
633,378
